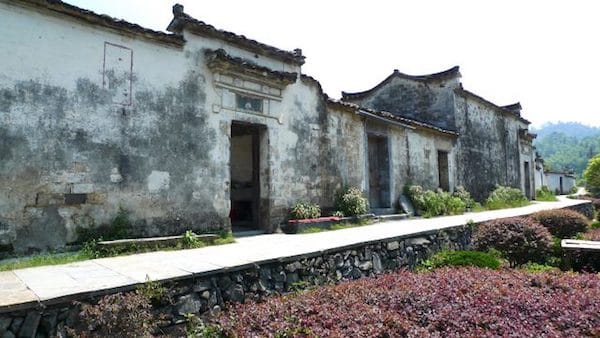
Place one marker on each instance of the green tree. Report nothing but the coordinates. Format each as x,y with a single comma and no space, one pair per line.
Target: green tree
567,153
592,175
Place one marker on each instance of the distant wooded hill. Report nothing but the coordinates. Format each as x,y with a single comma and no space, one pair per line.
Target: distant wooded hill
573,129
567,146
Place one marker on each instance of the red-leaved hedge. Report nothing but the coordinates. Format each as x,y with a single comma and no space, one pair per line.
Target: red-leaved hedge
592,235
562,223
448,302
595,203
520,240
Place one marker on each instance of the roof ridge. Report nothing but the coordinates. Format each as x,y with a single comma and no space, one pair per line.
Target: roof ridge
181,19
390,116
505,109
450,73
105,20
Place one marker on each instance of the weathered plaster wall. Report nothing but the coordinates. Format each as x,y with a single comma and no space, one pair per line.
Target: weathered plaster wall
107,119
527,155
539,175
423,159
343,154
68,128
488,148
413,157
426,101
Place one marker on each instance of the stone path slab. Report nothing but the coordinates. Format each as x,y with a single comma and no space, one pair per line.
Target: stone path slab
50,282
13,290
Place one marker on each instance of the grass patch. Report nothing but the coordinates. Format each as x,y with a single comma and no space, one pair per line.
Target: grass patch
312,230
92,250
336,226
44,259
348,225
461,258
477,207
545,195
539,268
188,241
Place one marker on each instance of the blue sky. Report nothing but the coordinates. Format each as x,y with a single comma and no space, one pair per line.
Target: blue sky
544,54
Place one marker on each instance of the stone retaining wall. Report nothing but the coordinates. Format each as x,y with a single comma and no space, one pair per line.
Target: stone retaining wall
201,294
586,209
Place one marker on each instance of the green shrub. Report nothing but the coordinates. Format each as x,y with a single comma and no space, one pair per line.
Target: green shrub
190,241
351,202
454,206
153,291
464,196
415,194
337,213
595,225
506,197
544,194
305,210
462,258
435,203
592,176
562,223
520,240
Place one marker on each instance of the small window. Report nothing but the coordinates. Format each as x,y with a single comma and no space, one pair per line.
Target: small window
249,103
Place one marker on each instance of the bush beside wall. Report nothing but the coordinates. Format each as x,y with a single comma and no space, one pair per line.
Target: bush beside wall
520,240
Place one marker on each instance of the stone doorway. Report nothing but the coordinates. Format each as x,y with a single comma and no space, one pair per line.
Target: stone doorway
527,180
443,170
245,183
379,173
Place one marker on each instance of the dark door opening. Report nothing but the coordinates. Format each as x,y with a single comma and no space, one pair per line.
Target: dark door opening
527,180
443,173
245,177
379,172
560,179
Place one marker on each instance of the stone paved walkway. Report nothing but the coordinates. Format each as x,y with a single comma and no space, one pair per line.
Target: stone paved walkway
21,287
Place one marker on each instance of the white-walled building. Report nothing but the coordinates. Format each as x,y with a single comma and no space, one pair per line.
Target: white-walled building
206,130
560,183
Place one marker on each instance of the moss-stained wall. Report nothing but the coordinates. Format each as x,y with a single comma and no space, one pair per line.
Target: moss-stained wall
83,135
488,147
426,101
108,120
488,150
